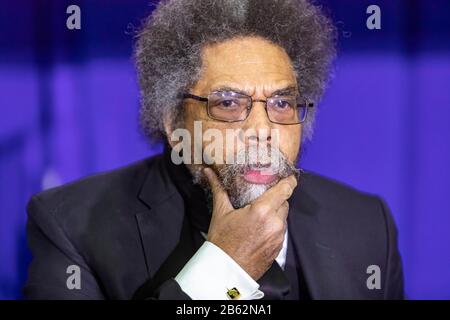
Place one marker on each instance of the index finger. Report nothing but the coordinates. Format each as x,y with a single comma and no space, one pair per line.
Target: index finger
279,193
220,196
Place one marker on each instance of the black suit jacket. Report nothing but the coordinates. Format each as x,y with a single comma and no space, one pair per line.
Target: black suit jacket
120,227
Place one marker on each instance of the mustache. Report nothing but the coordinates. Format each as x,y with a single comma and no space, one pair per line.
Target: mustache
258,158
239,191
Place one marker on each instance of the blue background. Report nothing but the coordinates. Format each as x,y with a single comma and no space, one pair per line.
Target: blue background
69,103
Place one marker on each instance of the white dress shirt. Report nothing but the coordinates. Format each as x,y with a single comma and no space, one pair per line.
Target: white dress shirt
210,273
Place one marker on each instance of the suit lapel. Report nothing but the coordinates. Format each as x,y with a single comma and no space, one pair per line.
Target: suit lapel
319,261
160,225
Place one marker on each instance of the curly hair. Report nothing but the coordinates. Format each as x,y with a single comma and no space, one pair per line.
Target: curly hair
169,45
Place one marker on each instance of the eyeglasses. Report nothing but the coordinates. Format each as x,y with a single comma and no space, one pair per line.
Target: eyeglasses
230,106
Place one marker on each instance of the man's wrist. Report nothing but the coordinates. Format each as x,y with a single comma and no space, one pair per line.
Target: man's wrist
211,274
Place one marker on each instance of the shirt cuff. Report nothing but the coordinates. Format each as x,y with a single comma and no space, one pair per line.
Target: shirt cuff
211,273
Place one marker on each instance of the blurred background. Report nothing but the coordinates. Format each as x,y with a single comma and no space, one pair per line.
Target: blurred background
69,108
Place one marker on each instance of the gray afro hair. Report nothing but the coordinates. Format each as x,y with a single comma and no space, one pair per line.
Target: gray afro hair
169,45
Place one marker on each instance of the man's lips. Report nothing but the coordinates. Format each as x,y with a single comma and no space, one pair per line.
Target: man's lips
259,176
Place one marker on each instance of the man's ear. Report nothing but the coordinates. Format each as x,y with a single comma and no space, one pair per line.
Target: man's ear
168,122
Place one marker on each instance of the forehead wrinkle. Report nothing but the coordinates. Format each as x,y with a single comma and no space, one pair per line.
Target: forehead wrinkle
251,68
289,89
230,82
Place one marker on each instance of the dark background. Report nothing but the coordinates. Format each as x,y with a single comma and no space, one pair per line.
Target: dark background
69,102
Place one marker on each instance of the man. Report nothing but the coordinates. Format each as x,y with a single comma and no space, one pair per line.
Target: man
238,80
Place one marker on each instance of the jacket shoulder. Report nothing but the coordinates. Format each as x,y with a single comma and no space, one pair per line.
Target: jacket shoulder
112,189
332,191
344,206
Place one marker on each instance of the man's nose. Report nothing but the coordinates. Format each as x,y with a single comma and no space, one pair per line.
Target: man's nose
257,125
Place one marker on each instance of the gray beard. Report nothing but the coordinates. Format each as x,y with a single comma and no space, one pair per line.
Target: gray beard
241,192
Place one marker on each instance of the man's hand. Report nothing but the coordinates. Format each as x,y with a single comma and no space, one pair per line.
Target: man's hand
252,236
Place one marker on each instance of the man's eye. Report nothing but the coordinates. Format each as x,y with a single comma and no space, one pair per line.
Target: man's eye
227,104
282,104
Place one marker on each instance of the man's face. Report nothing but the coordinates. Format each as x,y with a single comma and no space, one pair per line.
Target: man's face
257,68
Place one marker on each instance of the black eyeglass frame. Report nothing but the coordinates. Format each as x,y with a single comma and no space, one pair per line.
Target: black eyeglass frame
308,104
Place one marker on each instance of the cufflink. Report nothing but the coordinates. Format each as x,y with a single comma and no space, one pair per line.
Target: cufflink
233,293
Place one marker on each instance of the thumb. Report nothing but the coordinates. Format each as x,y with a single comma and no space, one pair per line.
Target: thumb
220,197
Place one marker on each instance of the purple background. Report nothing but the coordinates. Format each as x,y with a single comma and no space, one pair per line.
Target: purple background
69,104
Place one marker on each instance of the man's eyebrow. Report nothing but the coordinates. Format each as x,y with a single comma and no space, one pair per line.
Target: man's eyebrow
289,90
228,88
